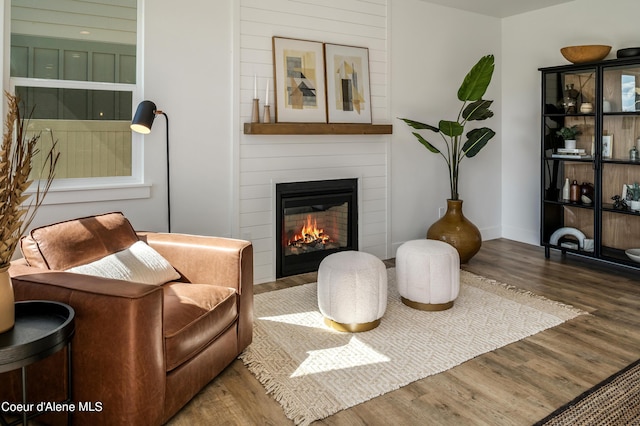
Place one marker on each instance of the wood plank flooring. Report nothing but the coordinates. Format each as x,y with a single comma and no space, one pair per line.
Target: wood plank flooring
514,385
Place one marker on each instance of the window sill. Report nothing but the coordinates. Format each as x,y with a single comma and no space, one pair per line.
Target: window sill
88,193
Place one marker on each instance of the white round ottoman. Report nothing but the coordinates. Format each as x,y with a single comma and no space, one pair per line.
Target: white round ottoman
428,274
352,291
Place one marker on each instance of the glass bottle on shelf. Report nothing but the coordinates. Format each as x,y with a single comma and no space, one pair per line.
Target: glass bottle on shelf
574,196
570,99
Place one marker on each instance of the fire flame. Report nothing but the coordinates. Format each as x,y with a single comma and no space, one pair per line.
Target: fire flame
310,233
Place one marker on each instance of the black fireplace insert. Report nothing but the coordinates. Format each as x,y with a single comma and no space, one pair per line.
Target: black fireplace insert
313,220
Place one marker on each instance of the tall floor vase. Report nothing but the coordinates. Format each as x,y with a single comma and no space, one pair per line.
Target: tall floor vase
7,307
457,230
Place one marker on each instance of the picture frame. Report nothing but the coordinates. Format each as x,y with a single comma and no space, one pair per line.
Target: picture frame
299,81
607,146
625,192
348,84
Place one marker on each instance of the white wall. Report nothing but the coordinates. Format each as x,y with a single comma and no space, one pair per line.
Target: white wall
264,161
432,49
187,73
188,66
531,41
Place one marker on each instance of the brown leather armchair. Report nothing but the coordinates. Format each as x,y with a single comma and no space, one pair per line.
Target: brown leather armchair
142,351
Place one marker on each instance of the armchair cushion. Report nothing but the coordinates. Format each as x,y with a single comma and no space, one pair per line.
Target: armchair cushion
194,316
76,242
138,263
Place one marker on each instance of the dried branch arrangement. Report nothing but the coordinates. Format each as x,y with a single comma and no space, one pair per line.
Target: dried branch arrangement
17,208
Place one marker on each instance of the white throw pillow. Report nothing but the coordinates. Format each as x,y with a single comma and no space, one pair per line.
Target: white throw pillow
138,263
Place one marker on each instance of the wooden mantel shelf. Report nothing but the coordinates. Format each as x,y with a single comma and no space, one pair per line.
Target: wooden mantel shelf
316,129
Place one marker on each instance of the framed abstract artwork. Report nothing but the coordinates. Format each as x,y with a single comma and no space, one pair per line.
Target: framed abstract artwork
348,88
299,81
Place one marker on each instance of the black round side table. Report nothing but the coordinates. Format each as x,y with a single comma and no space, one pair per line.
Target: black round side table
41,329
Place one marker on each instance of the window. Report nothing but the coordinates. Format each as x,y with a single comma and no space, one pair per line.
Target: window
74,65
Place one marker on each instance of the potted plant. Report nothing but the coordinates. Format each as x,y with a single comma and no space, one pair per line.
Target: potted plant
634,195
453,227
17,208
569,135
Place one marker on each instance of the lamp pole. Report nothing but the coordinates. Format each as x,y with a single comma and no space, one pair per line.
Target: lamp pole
168,175
141,123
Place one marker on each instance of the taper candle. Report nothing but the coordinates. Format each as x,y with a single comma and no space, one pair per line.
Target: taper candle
255,87
266,96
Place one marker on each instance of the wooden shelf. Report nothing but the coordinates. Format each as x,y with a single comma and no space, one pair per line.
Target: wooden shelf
317,129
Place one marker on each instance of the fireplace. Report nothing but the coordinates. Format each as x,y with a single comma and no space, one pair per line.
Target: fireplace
313,220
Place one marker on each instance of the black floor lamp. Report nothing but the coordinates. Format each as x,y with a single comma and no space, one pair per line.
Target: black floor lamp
141,123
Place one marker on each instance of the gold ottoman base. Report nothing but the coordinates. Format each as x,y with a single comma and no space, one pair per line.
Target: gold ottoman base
351,328
427,306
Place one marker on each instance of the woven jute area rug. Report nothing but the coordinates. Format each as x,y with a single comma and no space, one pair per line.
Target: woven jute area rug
313,371
613,402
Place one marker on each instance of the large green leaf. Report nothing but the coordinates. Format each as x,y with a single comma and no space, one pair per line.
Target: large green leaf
451,128
426,143
478,110
477,80
477,139
419,126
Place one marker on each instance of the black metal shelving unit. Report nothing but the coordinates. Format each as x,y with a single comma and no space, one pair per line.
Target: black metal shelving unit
607,85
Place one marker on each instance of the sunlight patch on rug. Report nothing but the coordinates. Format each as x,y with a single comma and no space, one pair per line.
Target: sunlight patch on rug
314,371
354,354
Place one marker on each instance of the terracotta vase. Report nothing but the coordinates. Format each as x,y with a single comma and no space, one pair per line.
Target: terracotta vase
457,230
7,307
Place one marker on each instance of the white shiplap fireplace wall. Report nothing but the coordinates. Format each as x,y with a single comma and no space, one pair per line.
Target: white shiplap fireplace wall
267,160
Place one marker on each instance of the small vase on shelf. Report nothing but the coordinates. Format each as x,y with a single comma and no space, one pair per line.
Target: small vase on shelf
586,108
574,190
570,99
586,192
566,190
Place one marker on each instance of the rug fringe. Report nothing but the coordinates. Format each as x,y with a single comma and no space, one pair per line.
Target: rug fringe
277,391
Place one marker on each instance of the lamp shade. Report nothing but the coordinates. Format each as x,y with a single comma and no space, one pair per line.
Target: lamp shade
143,120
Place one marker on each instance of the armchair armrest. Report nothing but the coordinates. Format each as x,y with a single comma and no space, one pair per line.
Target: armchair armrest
202,259
118,324
212,260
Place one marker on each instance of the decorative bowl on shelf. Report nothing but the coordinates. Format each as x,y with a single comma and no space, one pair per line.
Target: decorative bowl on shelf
628,52
585,53
633,254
